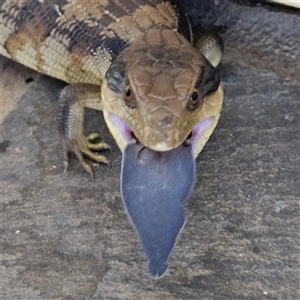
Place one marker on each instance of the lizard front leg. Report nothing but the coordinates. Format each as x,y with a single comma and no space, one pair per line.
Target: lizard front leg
72,101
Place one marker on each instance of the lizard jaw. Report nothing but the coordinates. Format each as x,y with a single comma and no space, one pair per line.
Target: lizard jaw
157,182
155,187
123,134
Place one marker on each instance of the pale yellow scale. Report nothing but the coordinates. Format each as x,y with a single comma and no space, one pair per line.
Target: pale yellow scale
5,31
55,56
28,54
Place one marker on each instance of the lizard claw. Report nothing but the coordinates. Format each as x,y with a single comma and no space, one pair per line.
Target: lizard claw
83,148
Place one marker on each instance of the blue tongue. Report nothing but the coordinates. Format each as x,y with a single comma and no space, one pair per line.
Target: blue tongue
155,187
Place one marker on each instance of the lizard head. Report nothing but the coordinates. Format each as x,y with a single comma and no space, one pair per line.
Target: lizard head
161,106
161,98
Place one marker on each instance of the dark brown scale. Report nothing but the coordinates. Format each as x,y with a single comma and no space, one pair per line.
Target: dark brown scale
61,4
117,10
23,17
84,36
50,20
44,15
128,8
12,9
8,19
96,30
80,34
106,20
147,2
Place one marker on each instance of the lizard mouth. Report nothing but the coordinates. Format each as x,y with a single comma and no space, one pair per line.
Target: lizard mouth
124,135
155,186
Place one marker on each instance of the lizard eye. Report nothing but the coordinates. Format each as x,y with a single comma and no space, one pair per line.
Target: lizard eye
127,93
128,96
194,100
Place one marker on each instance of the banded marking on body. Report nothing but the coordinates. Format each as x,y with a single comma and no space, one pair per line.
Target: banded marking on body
73,40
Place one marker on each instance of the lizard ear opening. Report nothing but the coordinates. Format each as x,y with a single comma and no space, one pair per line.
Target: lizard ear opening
209,81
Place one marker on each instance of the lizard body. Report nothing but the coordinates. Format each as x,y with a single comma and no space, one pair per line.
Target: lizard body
157,92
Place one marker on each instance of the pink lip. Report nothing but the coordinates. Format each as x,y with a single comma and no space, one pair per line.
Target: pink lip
199,130
123,128
196,134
